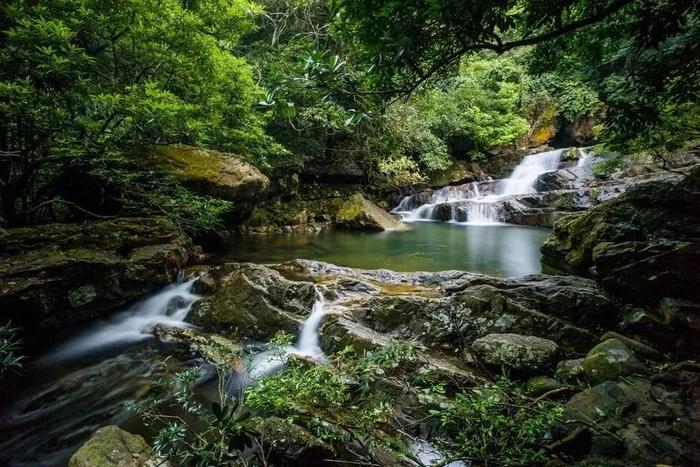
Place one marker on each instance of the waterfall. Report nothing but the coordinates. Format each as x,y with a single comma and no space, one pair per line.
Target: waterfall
308,338
169,306
522,180
307,345
480,208
483,213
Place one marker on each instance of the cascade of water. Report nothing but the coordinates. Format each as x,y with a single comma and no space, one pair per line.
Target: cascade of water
480,208
585,157
169,306
483,213
307,345
308,338
522,180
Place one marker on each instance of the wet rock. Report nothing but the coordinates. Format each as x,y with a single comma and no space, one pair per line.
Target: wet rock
645,351
642,246
213,173
570,371
610,360
253,301
58,275
521,353
550,181
215,349
292,445
358,213
111,446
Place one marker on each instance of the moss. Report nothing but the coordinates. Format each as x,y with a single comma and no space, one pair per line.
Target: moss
82,296
113,447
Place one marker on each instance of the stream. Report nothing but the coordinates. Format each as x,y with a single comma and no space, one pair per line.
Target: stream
83,383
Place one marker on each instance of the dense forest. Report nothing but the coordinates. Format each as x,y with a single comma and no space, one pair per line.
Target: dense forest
211,254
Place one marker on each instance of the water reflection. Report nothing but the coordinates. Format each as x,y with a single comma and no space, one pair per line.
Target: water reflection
507,250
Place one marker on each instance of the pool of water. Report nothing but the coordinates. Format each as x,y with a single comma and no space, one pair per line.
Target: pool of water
507,250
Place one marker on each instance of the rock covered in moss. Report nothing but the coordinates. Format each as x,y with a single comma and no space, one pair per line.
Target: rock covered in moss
252,301
359,213
570,371
634,422
292,445
215,349
521,353
213,173
57,275
610,360
641,246
111,446
539,385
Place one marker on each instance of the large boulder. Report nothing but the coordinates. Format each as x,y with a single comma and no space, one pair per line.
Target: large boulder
611,360
58,275
252,301
636,421
359,213
641,246
213,173
521,353
111,446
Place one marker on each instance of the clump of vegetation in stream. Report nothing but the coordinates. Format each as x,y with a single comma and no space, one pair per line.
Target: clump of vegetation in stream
188,433
353,400
10,345
497,424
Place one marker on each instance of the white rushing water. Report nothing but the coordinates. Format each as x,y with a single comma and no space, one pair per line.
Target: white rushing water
170,306
522,180
468,204
307,345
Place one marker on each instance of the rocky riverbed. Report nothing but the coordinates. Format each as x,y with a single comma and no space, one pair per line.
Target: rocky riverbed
610,342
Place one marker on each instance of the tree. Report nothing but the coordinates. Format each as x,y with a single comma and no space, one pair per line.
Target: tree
83,82
411,41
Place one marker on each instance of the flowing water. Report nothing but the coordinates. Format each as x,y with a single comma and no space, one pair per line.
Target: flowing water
481,203
269,361
84,383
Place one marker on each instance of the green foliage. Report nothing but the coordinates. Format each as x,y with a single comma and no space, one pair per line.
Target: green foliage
480,107
189,434
644,65
10,344
335,400
496,424
82,82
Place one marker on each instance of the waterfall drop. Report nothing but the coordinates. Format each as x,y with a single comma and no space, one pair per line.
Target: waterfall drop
479,203
307,345
522,180
170,306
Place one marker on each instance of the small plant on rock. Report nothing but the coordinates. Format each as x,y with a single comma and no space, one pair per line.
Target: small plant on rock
9,346
187,433
496,424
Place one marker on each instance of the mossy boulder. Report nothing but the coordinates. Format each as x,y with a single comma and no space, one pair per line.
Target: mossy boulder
213,173
111,446
521,353
252,301
611,360
570,371
58,275
359,213
641,246
216,349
